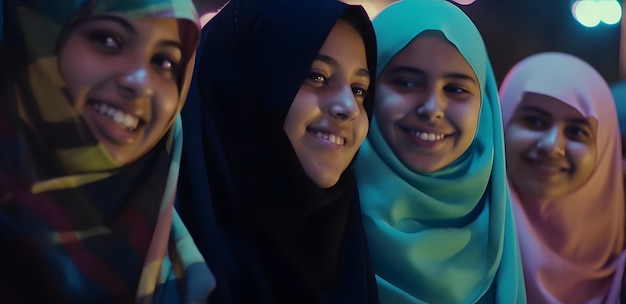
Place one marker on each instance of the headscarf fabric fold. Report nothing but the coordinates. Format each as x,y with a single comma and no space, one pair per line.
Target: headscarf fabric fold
281,238
100,231
446,236
618,89
588,265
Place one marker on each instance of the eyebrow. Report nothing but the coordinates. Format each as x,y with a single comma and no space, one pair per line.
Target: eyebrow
129,27
421,73
117,19
172,43
332,62
546,113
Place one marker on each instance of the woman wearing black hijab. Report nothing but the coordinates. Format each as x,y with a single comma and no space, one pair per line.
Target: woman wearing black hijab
279,104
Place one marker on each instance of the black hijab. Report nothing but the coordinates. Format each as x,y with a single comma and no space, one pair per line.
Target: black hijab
268,232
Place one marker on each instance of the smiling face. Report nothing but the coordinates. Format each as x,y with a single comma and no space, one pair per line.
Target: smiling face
122,75
327,121
427,104
550,147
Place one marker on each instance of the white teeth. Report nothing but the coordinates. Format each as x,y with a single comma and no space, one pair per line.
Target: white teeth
335,139
332,137
427,136
125,120
118,117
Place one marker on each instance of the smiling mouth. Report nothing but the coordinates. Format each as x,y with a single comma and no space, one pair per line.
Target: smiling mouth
124,120
548,167
427,136
333,138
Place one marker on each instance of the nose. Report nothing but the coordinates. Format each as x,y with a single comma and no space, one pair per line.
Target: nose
553,143
344,105
134,81
432,109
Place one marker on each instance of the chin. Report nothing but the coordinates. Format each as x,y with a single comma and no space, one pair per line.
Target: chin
122,158
325,182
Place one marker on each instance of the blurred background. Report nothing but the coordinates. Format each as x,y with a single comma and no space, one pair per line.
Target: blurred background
590,29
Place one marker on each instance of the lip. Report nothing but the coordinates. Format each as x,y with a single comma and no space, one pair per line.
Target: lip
124,106
426,137
337,134
546,167
109,129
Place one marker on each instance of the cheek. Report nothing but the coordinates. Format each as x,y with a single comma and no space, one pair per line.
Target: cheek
167,100
584,158
361,126
77,69
297,113
465,117
517,140
392,105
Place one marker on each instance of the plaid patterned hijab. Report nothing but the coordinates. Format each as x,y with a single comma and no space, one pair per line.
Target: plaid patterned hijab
102,232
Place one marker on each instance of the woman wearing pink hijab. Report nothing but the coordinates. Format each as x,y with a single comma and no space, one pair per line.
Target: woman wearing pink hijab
562,143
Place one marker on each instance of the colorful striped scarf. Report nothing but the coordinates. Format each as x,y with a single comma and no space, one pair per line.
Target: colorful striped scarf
102,232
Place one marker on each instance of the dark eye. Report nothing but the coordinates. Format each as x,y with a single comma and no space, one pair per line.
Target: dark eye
534,122
316,79
576,133
105,41
406,83
165,64
359,92
455,89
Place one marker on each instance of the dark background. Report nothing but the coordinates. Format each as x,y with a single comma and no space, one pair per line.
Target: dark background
515,29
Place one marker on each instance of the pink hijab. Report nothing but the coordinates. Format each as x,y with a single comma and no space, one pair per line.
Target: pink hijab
589,222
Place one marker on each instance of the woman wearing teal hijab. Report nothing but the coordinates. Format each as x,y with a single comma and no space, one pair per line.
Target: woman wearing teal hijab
431,173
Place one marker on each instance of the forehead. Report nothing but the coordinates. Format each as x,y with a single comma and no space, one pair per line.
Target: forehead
555,108
433,53
150,28
344,39
549,105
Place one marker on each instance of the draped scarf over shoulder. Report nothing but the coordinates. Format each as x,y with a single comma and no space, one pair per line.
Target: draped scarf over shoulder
287,239
447,236
589,222
103,232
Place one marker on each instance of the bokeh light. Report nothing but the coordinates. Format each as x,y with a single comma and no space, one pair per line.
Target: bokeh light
611,11
591,12
464,2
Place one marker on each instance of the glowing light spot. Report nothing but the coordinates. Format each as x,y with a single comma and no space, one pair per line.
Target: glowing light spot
611,11
464,2
591,12
587,13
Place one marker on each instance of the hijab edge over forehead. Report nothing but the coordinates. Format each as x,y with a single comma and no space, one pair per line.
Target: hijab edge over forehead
467,41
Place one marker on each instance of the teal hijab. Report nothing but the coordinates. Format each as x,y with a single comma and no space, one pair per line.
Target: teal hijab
446,236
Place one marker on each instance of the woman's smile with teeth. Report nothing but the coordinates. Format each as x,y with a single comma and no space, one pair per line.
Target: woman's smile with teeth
335,139
427,136
124,120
